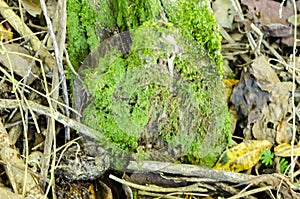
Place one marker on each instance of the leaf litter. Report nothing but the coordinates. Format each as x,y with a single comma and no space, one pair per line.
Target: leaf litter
262,99
263,95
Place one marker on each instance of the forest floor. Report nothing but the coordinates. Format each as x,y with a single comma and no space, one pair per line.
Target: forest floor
261,81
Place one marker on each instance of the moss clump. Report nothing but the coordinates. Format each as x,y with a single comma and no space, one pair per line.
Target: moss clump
131,14
77,45
137,101
100,83
89,21
196,20
162,105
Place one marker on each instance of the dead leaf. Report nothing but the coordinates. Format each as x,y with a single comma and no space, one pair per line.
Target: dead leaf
280,183
267,12
284,150
5,34
21,65
248,98
289,41
291,19
234,118
278,30
262,100
243,156
15,168
8,194
274,111
283,132
224,12
33,7
263,73
271,17
230,82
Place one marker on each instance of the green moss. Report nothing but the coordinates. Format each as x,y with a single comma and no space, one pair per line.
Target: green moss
193,111
77,45
194,18
101,83
199,89
197,21
131,14
86,18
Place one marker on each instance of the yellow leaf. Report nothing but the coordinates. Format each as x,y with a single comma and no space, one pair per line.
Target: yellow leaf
243,156
5,34
230,82
284,150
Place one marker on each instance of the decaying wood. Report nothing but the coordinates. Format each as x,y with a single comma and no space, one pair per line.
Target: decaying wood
189,170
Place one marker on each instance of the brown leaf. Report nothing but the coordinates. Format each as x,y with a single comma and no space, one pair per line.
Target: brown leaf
283,132
274,111
15,168
17,60
263,73
262,99
278,30
289,41
33,7
267,12
224,12
270,16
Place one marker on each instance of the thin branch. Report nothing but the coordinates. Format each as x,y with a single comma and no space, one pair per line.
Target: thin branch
293,94
58,54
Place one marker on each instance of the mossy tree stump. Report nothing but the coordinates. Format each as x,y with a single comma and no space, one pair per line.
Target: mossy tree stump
161,95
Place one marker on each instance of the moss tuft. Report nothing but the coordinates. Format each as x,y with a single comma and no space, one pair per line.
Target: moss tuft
197,21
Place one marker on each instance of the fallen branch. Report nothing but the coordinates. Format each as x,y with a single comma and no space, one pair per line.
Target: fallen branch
44,110
189,170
